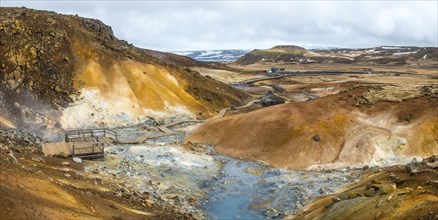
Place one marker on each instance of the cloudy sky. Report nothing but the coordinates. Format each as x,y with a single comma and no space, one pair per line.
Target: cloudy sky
191,25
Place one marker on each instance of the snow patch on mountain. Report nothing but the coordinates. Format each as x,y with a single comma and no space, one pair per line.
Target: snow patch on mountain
213,55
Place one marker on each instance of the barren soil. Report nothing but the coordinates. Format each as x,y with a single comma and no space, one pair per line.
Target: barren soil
63,70
348,114
352,127
39,187
394,193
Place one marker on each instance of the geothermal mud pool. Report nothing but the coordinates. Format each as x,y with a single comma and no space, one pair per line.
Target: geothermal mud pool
249,190
223,187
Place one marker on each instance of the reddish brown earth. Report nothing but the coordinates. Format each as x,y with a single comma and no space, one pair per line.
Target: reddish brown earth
398,192
346,128
40,189
48,60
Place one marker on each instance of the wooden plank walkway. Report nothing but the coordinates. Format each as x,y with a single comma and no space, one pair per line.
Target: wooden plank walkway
163,128
222,112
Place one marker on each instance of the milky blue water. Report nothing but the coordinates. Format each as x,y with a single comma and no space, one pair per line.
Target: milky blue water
235,190
232,207
231,200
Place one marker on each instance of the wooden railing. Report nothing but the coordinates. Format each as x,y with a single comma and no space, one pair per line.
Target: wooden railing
96,147
94,134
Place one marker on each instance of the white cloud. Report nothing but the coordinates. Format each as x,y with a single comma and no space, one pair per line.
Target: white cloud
179,25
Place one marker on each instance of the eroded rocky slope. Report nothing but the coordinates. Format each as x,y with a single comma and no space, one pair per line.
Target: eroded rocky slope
400,192
59,70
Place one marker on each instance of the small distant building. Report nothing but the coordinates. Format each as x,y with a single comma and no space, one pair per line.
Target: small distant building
276,70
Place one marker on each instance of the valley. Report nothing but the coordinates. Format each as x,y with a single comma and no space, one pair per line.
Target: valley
336,134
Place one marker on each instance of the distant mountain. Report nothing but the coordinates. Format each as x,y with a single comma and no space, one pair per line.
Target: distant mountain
213,55
383,55
275,54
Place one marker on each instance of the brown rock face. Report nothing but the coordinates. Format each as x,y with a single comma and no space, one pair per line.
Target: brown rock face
48,60
392,193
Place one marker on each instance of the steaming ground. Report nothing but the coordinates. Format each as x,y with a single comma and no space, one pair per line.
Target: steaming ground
361,124
77,68
169,173
94,110
337,133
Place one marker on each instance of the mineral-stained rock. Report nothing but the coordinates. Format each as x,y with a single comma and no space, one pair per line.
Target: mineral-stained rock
387,189
77,159
149,203
370,192
44,49
33,53
38,159
411,167
271,213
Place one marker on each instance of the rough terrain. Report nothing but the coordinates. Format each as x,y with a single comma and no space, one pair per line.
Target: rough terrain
35,186
357,126
337,149
400,192
384,55
61,71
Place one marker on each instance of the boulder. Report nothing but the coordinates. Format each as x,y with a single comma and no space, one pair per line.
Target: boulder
387,189
370,192
77,159
271,213
38,159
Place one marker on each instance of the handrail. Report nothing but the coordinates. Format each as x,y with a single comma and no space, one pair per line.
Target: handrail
104,130
94,133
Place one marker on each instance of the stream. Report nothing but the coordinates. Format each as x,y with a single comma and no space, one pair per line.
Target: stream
227,188
250,190
223,187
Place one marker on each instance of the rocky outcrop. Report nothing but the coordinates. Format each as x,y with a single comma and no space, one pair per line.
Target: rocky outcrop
390,193
49,61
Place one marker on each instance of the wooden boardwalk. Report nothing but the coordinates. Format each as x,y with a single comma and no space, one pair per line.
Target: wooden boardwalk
163,128
222,112
90,143
166,129
93,138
